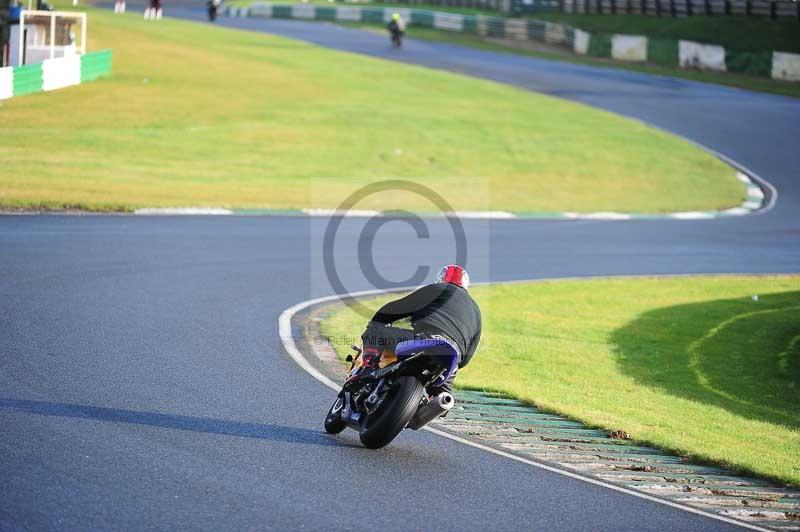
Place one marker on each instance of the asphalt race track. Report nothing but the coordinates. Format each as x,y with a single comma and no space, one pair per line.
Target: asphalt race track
143,384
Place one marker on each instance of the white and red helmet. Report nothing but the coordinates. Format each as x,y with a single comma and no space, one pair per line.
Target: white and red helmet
453,274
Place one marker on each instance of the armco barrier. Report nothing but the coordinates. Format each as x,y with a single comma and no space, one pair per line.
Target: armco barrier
54,74
95,65
27,79
629,48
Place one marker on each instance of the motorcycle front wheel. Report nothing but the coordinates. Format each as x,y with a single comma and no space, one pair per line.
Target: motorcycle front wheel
334,424
380,428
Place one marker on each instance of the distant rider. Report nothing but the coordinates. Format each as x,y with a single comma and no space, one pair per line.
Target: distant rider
443,309
154,10
397,28
213,9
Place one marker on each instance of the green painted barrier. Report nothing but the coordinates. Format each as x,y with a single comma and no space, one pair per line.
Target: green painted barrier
95,65
325,13
58,73
599,46
422,18
662,51
753,63
470,24
27,79
279,11
372,15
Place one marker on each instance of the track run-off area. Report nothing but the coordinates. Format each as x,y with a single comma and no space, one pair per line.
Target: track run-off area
144,384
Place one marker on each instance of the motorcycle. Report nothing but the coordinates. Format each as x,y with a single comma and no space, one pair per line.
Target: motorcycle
397,38
396,31
213,8
380,402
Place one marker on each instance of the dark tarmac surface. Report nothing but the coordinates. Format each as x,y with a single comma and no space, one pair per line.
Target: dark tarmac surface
144,386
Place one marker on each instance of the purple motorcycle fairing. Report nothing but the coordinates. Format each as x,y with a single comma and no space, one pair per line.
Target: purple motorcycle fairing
433,347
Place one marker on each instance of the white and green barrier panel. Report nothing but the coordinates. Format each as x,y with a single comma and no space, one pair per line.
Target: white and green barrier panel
484,25
631,48
52,74
687,54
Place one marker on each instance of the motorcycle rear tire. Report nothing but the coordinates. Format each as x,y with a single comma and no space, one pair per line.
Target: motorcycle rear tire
394,416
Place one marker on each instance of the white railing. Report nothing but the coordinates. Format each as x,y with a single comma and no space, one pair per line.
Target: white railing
38,40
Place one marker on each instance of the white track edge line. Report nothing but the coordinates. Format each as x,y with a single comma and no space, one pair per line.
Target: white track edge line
289,345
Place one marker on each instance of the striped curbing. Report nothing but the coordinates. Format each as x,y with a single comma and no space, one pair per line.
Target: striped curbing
54,74
183,211
629,48
756,200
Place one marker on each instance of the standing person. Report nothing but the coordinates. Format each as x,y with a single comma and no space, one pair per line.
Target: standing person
119,6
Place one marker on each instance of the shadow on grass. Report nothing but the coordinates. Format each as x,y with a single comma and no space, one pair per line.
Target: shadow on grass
741,355
239,429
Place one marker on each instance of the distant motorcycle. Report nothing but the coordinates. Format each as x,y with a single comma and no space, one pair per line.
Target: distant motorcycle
213,8
397,38
396,32
380,402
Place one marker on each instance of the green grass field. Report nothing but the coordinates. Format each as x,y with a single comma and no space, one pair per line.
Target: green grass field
692,365
253,121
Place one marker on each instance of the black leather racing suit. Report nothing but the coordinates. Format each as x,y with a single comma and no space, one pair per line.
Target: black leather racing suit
441,308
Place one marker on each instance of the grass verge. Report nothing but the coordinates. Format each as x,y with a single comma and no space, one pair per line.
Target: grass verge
254,121
694,365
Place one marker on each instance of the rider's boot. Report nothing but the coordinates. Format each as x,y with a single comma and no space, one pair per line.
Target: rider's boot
370,361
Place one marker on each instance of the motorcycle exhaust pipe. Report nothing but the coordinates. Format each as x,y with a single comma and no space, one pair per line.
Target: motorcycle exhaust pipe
431,410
